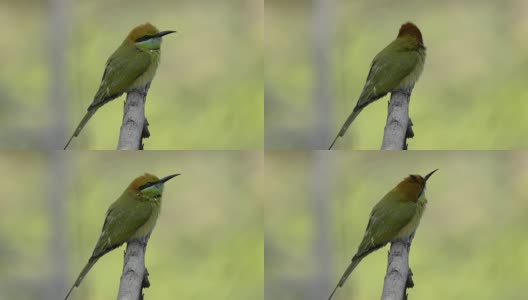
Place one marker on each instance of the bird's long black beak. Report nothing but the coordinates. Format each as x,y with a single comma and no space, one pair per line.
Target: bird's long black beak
429,175
166,178
162,33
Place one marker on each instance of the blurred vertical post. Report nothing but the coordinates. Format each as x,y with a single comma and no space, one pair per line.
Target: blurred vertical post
320,179
58,178
58,37
322,28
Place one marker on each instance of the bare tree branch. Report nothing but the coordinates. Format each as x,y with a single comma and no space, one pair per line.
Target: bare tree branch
135,275
398,126
134,126
397,129
399,276
133,129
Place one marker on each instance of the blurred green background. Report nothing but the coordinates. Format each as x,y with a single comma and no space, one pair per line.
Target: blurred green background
208,239
472,93
207,93
471,243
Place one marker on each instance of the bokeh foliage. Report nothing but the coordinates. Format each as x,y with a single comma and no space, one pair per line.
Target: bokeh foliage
207,93
471,243
472,93
208,239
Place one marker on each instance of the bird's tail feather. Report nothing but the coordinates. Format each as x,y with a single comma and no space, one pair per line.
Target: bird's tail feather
351,267
347,123
84,271
83,122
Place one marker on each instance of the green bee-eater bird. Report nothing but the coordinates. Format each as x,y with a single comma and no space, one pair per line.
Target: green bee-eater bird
395,68
132,216
395,216
131,66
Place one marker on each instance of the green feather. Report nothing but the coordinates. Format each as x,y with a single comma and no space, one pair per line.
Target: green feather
389,69
397,67
123,219
387,218
125,65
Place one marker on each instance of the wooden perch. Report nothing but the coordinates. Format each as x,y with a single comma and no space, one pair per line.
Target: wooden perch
133,129
135,275
134,126
398,126
399,276
397,129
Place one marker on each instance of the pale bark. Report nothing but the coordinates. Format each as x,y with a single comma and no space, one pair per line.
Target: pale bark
398,126
397,129
134,126
133,129
399,276
135,276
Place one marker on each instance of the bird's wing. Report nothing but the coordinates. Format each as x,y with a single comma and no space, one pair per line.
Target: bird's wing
122,220
388,217
388,69
122,69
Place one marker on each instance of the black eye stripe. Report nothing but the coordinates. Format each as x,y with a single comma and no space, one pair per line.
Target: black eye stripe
144,38
146,185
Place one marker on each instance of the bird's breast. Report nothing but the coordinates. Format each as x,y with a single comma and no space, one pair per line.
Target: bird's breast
148,226
411,79
413,223
148,75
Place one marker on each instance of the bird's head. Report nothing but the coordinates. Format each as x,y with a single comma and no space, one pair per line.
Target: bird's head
409,30
146,37
413,186
149,185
